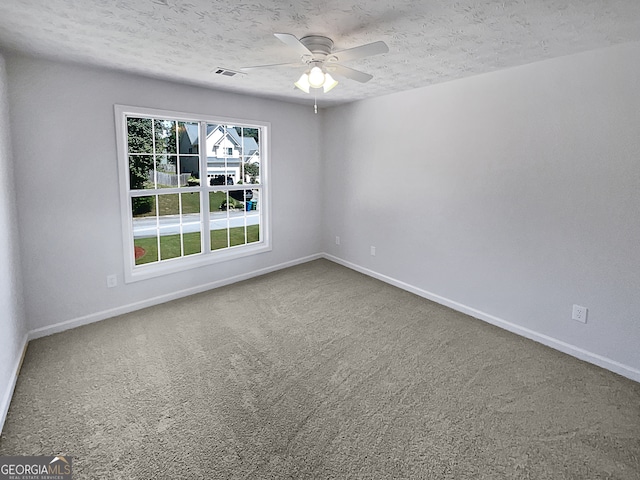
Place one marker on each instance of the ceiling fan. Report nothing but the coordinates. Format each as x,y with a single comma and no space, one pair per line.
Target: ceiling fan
316,53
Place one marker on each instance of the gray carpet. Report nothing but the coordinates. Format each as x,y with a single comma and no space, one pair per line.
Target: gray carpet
318,372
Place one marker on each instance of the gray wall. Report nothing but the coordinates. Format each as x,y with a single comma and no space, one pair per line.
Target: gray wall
12,322
67,186
512,195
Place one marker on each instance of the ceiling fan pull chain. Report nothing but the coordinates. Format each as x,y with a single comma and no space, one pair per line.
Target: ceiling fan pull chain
315,103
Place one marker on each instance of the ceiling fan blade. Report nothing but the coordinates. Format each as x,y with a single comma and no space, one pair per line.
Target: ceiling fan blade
347,72
293,42
362,51
254,67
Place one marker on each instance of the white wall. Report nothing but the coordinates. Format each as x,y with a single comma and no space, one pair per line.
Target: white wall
519,195
67,186
12,322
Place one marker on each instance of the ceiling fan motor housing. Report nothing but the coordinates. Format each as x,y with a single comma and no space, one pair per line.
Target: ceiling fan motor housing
318,45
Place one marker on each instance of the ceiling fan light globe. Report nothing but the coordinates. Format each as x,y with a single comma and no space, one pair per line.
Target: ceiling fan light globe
329,82
303,83
316,77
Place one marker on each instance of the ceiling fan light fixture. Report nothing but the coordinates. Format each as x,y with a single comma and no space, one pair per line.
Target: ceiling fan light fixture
316,77
316,53
303,83
329,82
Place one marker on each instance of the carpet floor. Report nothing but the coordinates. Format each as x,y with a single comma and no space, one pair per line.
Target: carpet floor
318,372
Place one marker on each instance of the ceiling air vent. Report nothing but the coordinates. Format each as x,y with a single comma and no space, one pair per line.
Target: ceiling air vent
225,72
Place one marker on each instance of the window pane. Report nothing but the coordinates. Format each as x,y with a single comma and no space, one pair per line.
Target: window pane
190,204
191,223
139,135
238,199
145,232
250,154
253,201
190,170
232,153
254,160
253,217
215,162
253,232
169,223
237,236
144,207
192,242
170,246
231,141
219,237
188,137
166,167
218,221
252,170
166,141
217,201
141,172
169,210
146,249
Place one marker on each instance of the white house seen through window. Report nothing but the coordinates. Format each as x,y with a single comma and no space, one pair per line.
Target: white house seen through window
183,203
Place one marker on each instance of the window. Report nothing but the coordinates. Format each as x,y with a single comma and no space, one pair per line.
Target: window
181,206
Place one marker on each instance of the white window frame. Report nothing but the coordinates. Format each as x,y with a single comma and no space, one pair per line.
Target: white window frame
133,272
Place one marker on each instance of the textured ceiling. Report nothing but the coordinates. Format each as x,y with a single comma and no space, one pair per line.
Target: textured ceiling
430,41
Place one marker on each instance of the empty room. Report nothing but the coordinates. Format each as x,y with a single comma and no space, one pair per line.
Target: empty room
319,240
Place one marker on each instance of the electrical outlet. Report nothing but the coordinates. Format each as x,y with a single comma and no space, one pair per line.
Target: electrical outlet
337,240
112,281
579,314
373,251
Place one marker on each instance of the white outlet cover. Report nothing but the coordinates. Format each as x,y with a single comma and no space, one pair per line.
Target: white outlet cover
112,281
579,313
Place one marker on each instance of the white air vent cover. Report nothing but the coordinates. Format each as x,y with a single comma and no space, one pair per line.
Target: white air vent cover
225,72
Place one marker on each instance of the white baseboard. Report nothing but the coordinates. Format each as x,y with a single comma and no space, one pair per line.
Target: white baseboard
8,394
113,312
580,353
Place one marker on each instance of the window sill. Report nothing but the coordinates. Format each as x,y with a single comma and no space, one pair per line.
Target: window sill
153,270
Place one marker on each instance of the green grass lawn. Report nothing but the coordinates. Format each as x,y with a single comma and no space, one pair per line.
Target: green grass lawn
170,244
169,204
